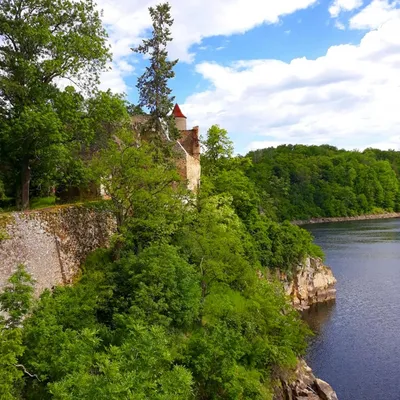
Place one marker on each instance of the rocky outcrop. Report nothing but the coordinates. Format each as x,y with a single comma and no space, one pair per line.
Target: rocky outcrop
303,385
312,282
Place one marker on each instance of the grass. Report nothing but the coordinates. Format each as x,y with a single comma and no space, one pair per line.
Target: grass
43,202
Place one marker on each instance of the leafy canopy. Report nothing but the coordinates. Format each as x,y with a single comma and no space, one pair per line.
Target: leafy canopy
44,43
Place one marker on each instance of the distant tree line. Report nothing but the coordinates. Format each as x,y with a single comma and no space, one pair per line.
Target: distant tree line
301,182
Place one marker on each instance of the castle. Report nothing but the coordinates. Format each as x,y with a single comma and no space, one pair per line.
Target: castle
187,147
188,161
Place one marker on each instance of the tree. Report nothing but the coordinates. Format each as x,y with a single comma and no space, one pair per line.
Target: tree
144,189
154,93
43,42
10,349
15,300
218,149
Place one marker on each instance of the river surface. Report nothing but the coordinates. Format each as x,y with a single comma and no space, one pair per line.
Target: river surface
357,343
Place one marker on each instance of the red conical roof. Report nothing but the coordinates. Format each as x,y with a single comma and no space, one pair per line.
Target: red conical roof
177,113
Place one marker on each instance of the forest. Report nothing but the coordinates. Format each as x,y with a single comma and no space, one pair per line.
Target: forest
185,304
303,182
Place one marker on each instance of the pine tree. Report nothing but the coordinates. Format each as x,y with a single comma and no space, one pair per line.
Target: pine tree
154,93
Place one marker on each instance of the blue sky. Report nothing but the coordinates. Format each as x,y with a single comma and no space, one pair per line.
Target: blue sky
293,71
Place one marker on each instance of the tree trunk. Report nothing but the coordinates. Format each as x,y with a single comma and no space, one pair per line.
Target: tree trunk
25,184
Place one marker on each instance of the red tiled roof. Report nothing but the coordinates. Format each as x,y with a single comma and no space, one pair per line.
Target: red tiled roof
177,113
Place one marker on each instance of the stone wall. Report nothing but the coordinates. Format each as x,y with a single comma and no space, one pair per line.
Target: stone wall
52,243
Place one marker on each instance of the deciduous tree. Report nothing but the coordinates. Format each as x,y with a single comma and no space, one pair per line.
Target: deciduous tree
41,43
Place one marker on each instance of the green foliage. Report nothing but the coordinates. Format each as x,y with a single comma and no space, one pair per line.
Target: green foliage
273,245
16,302
179,307
10,349
43,41
140,184
218,148
43,202
140,368
134,110
322,181
187,319
166,288
2,190
247,329
16,298
154,93
4,235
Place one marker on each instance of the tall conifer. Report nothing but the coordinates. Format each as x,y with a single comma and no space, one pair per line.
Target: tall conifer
154,93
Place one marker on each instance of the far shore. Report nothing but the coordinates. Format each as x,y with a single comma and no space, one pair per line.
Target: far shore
343,219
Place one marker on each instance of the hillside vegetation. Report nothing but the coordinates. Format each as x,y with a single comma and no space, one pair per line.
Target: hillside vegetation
184,304
178,308
302,182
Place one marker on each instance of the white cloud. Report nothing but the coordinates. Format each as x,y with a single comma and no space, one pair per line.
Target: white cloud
194,20
349,97
340,25
339,6
113,78
375,14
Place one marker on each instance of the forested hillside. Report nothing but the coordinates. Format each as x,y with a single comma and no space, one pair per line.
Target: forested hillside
175,309
184,304
322,181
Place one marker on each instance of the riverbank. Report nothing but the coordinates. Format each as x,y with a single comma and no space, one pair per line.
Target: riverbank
344,219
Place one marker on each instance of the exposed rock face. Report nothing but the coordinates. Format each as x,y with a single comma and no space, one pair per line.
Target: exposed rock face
303,385
312,283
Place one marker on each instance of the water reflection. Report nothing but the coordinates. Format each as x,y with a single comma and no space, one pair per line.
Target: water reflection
318,315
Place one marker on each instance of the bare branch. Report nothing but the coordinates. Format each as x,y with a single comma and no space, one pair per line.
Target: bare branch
27,372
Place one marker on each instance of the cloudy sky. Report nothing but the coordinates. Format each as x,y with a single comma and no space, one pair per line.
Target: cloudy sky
273,72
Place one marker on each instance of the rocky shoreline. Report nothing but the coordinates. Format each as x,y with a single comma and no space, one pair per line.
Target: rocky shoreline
303,385
312,282
344,219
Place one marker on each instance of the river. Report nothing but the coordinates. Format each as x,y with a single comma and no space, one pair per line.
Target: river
357,343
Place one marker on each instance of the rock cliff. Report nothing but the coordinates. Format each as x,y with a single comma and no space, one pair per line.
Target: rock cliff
312,282
303,385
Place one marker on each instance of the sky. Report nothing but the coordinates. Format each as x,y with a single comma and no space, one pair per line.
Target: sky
273,72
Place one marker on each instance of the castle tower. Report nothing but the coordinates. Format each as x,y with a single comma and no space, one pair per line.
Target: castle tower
180,119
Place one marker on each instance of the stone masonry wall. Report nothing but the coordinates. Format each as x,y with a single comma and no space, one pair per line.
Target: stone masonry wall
52,243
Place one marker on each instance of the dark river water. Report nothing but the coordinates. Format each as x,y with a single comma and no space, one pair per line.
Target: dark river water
357,343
